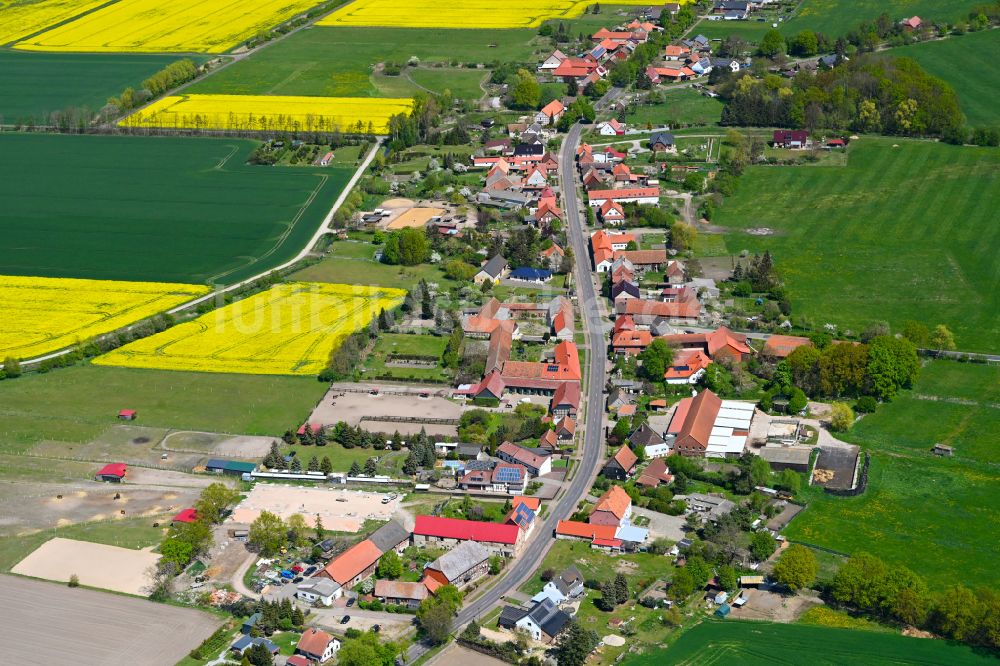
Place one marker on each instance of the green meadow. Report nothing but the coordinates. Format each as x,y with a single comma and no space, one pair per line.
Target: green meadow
341,62
153,208
768,644
76,404
938,516
905,231
33,85
968,64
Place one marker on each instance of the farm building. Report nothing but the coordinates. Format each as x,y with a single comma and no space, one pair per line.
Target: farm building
319,590
127,415
232,467
353,565
706,425
787,457
504,540
462,566
399,592
317,645
113,472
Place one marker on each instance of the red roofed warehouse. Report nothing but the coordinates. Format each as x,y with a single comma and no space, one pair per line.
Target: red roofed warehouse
504,540
114,472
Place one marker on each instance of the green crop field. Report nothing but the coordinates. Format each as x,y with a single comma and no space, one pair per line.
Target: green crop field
900,233
938,516
354,263
835,18
33,85
160,209
339,62
76,404
767,644
976,80
463,83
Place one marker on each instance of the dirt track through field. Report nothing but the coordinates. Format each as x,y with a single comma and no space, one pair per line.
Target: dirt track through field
45,623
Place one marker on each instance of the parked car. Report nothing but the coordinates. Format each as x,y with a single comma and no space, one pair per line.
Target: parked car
376,628
310,571
345,619
350,602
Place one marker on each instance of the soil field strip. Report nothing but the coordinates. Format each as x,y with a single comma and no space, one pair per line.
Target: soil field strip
53,624
97,565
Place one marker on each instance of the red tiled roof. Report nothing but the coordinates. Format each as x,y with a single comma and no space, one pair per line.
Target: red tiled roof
686,363
553,108
626,458
395,589
697,426
624,323
643,257
783,345
575,528
608,543
614,500
632,339
297,660
453,528
113,469
566,423
624,193
521,454
567,393
353,561
638,306
314,641
626,410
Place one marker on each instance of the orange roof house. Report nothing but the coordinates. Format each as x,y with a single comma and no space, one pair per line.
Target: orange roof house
353,565
688,365
613,507
620,466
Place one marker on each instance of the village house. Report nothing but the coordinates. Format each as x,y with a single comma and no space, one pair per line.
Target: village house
794,139
687,367
552,256
491,270
565,586
550,113
317,645
614,507
543,622
662,142
536,464
654,474
611,128
401,593
462,566
621,466
719,344
318,590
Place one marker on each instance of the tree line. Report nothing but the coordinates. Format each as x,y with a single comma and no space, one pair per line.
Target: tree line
869,93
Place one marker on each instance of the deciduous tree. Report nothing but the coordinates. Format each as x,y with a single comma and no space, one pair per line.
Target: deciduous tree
796,568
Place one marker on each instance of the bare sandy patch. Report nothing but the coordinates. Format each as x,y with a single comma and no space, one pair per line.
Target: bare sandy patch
96,564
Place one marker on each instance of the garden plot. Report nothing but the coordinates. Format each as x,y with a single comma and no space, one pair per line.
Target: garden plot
96,564
340,510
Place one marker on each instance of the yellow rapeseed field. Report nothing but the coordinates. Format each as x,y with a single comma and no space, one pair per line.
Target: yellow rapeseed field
461,14
41,315
269,112
20,18
288,330
164,26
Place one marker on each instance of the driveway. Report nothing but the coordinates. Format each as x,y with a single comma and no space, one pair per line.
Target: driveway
661,525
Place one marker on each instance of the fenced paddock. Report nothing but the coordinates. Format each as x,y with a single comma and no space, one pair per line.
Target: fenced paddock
46,623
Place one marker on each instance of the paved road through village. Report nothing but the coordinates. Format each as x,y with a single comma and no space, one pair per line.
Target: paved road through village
593,391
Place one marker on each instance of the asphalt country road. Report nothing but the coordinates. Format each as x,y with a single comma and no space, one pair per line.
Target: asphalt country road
593,388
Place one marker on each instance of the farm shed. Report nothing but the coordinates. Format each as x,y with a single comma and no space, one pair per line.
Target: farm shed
233,467
113,472
127,414
185,516
787,457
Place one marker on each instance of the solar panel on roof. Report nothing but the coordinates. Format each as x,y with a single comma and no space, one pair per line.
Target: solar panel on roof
509,474
553,368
